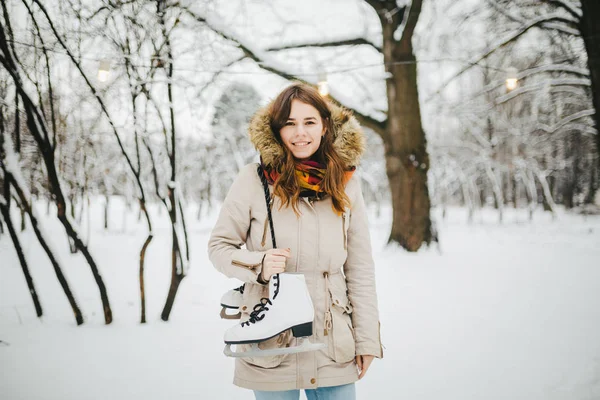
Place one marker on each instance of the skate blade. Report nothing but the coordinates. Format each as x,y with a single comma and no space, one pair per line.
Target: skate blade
255,351
224,314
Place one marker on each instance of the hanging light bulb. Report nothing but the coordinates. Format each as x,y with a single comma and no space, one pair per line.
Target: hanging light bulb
323,85
511,80
104,70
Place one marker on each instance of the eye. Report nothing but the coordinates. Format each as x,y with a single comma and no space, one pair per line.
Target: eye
310,123
289,123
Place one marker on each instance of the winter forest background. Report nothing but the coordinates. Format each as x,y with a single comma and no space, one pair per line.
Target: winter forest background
123,124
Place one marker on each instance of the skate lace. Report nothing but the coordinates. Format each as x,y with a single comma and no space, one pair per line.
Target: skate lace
256,315
240,289
276,284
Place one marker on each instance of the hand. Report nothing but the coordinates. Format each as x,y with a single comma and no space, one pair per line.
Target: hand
274,262
363,363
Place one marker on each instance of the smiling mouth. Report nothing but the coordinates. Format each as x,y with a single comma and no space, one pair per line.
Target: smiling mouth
301,144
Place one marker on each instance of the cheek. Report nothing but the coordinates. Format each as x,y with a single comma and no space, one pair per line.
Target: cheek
285,136
287,143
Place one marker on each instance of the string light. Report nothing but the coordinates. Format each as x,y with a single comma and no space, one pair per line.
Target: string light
104,70
337,70
511,80
323,85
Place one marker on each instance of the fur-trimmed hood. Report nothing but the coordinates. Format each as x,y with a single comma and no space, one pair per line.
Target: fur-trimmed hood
349,139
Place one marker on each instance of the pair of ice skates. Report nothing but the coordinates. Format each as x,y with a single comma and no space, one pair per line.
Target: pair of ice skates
288,306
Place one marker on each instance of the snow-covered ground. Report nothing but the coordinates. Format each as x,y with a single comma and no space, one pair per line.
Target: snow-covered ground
505,311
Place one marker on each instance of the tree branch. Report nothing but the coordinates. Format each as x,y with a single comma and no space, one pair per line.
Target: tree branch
335,43
568,7
570,82
412,19
503,42
365,120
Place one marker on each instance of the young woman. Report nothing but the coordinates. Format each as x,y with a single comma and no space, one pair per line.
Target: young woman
309,151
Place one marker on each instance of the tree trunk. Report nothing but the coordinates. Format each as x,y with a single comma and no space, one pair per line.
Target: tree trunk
547,206
5,210
177,263
407,161
590,31
23,223
142,285
39,131
106,205
72,246
57,270
15,238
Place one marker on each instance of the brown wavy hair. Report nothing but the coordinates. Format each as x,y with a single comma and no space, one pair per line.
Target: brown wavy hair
286,186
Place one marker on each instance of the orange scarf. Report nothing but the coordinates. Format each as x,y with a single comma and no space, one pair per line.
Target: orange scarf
309,174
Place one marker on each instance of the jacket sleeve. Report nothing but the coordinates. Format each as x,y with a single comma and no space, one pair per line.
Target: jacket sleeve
231,230
359,269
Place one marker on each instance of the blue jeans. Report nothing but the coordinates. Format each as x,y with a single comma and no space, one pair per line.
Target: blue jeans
342,392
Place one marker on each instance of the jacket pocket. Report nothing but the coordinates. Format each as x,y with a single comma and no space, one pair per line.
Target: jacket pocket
252,295
338,327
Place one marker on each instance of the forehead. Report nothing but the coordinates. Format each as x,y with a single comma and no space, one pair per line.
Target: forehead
300,110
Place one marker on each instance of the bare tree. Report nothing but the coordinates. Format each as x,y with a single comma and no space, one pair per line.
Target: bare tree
407,160
37,125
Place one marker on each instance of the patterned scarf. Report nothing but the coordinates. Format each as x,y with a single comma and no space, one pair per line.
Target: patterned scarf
309,174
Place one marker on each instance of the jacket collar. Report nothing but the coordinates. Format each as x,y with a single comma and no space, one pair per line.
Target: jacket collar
349,139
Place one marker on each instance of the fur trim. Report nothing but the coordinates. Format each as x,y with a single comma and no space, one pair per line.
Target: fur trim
349,139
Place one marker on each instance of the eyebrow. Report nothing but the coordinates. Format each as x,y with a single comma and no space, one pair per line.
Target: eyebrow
293,119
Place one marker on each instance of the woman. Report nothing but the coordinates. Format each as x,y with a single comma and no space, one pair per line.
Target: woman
309,151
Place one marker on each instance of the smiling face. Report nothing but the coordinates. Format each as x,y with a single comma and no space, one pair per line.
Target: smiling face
303,130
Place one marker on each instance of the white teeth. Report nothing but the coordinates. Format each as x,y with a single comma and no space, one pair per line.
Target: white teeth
301,144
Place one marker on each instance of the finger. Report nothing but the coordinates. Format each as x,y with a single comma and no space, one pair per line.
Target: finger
274,269
272,265
280,252
359,363
362,373
273,251
366,364
274,259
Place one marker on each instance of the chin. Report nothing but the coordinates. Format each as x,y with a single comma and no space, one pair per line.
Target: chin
303,156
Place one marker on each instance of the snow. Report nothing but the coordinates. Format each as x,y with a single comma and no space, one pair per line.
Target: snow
504,311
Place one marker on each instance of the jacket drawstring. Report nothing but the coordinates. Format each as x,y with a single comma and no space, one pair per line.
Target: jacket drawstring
328,323
264,237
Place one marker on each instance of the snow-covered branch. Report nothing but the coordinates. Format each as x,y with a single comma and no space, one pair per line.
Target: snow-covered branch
567,121
570,82
333,43
572,7
509,38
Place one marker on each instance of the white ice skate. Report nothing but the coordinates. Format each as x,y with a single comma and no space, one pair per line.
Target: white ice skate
288,307
232,300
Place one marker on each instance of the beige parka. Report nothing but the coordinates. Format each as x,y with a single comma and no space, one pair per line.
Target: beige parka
332,251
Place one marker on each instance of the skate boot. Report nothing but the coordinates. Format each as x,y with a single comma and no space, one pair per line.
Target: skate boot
288,307
232,300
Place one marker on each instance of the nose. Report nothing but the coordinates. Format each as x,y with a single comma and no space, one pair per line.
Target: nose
301,130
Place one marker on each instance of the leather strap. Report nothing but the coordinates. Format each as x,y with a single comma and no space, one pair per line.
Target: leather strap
265,184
